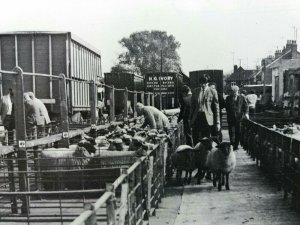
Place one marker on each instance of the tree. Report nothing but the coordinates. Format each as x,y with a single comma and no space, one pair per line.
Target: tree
147,51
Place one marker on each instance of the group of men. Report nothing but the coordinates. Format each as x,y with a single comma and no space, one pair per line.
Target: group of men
36,113
201,112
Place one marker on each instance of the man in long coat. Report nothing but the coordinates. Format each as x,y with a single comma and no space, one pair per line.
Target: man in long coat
204,110
185,111
237,109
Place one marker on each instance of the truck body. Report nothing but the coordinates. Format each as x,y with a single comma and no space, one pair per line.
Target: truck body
51,53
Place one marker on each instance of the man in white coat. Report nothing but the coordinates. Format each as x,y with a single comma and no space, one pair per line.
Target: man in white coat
7,114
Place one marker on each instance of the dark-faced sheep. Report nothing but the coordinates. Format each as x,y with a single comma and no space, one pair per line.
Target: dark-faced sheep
221,161
59,167
201,151
182,160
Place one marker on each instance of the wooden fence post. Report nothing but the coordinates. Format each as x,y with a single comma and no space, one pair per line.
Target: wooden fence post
139,194
92,220
124,200
125,102
110,206
112,104
134,103
153,100
12,186
143,98
64,143
149,188
93,100
148,98
21,143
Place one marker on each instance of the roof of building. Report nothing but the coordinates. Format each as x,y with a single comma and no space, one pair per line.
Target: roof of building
275,62
72,35
241,74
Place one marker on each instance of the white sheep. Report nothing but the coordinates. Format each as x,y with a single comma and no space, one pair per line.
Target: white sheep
59,159
221,161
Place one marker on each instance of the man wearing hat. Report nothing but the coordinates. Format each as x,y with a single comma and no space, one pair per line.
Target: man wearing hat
237,109
204,110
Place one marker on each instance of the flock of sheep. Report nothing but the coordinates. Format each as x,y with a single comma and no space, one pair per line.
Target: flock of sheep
74,167
218,160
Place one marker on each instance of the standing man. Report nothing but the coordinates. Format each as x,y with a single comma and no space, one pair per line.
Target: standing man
204,110
7,114
215,132
237,109
184,114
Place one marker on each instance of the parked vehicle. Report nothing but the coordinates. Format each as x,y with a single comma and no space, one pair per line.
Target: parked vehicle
215,76
133,82
51,53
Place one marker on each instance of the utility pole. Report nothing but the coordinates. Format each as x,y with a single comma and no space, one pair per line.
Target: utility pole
232,58
264,89
161,70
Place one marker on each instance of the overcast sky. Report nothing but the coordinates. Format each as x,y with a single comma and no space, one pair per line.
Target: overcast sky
211,32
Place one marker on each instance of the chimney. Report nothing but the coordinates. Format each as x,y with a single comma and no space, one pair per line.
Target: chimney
277,54
235,68
294,49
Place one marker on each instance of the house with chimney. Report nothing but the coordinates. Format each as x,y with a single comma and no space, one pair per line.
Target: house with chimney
240,77
287,58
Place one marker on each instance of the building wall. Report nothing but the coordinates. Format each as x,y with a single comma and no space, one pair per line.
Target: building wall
278,70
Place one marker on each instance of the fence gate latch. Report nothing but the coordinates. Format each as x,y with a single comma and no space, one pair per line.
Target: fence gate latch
65,134
22,144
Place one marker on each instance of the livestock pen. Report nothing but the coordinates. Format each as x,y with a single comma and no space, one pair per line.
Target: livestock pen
25,197
275,152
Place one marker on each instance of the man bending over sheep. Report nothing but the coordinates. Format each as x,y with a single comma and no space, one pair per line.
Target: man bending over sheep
153,117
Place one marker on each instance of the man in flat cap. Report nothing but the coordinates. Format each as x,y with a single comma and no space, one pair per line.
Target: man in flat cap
237,109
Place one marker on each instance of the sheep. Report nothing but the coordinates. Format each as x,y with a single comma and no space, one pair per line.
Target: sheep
182,159
221,161
201,151
73,158
188,159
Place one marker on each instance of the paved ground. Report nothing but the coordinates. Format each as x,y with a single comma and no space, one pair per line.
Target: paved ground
252,200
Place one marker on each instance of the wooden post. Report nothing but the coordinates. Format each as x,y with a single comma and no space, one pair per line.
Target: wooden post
153,100
139,194
134,103
149,188
124,200
21,137
125,102
148,98
110,206
112,104
92,220
143,98
64,143
93,100
11,179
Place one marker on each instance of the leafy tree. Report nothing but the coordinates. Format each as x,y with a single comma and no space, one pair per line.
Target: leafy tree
146,51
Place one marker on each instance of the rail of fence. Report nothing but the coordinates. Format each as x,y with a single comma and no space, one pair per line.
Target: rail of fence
277,153
63,122
142,183
142,187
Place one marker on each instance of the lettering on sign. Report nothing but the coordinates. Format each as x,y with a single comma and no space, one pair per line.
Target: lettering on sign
165,84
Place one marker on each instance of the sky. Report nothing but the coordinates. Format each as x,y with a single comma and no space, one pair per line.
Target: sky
214,34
